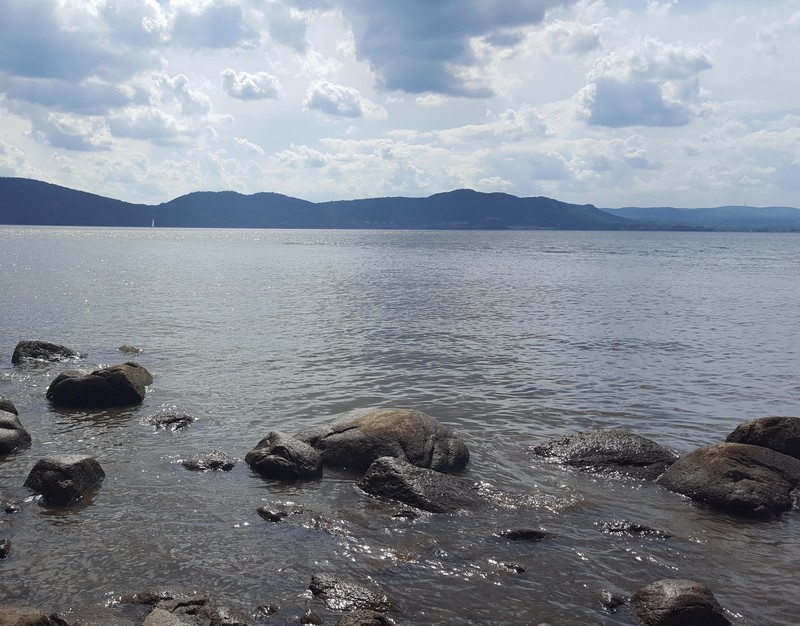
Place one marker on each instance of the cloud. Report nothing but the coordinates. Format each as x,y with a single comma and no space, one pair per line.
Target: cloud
216,25
419,46
246,86
192,102
248,146
70,132
151,124
340,101
649,83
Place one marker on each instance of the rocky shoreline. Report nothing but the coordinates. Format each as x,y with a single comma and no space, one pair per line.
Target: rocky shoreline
407,457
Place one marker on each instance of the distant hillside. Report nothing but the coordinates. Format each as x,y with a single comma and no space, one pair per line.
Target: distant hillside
24,201
30,202
734,218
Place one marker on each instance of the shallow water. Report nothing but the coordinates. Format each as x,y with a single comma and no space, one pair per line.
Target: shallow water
510,338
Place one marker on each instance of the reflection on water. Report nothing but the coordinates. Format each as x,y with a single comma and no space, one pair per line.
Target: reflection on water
510,338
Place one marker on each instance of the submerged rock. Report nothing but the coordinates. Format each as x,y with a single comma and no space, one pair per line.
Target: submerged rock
610,451
525,534
214,460
118,385
365,617
423,488
676,602
7,406
355,440
130,349
781,434
12,435
284,457
170,420
26,616
42,351
339,594
63,480
737,477
631,529
5,549
94,616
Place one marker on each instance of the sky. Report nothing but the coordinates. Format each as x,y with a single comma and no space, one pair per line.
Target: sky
688,103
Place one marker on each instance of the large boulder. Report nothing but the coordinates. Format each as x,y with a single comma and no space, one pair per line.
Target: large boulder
610,451
12,435
737,477
7,406
118,385
426,489
284,457
781,434
676,602
356,439
42,351
339,594
63,480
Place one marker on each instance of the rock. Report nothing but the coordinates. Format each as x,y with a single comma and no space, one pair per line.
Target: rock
610,601
525,534
737,477
42,351
675,602
781,434
118,385
23,616
426,489
12,435
311,617
626,527
194,610
130,349
356,439
170,420
95,616
343,595
364,618
214,460
64,479
7,406
610,451
284,457
5,549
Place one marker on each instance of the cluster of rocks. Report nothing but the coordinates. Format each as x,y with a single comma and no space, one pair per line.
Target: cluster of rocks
410,457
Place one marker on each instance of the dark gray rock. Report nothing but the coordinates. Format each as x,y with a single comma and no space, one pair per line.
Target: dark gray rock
525,534
12,435
339,594
170,420
356,439
610,601
62,480
7,406
426,489
737,477
676,602
311,617
284,457
214,460
42,351
5,549
194,610
781,434
365,617
95,616
610,451
118,385
631,529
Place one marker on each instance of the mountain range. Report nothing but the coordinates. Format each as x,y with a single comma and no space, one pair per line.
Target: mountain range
30,202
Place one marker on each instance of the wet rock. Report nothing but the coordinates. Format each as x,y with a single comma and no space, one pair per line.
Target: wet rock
42,351
284,457
170,420
24,616
275,515
7,406
425,489
5,549
356,439
525,534
610,451
740,478
631,529
118,385
12,435
194,610
781,434
266,610
95,616
610,601
130,349
344,595
311,617
365,618
676,602
214,460
62,480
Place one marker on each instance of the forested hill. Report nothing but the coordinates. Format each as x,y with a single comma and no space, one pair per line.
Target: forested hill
29,202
